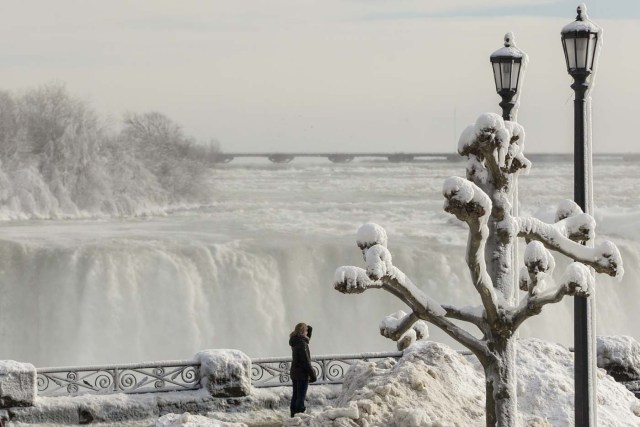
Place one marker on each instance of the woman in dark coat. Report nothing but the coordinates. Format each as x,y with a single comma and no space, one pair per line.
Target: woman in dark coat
301,371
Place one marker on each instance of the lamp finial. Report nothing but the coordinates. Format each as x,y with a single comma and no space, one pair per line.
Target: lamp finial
582,12
509,40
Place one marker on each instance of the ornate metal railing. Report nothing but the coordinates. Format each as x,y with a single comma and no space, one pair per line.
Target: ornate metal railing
134,378
274,371
185,375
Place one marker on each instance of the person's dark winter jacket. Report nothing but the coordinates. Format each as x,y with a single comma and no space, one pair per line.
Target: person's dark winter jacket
301,369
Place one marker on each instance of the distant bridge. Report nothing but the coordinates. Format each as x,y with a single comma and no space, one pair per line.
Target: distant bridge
342,157
409,157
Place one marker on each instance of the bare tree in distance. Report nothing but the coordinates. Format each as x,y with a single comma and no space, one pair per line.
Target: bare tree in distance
495,152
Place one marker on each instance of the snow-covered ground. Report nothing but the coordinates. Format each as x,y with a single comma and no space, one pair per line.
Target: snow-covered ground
434,386
431,385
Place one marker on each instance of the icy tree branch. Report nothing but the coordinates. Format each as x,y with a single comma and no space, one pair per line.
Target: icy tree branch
604,258
470,204
454,331
353,280
467,314
380,267
576,281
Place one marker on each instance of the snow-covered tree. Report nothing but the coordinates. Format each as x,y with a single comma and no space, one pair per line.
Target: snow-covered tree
495,152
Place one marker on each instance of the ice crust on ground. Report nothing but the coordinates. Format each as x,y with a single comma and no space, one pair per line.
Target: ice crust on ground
265,406
188,420
433,385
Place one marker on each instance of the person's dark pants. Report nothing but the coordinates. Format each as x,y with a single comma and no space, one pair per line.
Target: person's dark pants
298,396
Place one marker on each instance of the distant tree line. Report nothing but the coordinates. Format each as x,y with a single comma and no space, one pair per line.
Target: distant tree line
59,159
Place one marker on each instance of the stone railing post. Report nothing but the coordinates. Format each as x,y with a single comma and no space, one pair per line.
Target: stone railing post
225,373
17,384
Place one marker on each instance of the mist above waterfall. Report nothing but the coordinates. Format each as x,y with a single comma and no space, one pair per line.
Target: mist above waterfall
241,271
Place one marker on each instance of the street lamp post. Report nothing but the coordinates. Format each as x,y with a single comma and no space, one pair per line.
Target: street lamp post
508,65
581,41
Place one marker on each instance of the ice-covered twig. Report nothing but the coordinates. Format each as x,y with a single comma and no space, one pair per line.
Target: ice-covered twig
470,204
403,328
395,325
539,264
572,223
578,228
577,281
353,280
604,257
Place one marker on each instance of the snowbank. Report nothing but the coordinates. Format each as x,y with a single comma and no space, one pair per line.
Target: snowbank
620,357
434,385
17,384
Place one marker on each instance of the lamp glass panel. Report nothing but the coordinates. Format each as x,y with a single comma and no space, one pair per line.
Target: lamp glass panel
515,73
506,68
570,51
496,75
593,41
582,48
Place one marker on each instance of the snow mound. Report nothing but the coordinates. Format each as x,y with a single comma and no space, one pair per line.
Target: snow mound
431,382
433,385
620,357
188,420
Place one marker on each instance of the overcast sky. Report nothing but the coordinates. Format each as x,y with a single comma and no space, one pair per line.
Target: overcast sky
324,75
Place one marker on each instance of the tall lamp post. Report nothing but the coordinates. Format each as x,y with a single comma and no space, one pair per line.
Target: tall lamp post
581,41
508,65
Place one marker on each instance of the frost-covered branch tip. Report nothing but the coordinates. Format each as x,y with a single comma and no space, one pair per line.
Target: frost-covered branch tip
539,264
578,280
604,257
403,328
465,200
395,325
353,280
567,208
493,143
573,222
371,234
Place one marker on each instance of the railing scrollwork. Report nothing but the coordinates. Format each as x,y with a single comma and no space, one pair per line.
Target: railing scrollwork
140,378
274,371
